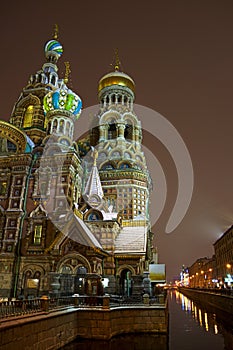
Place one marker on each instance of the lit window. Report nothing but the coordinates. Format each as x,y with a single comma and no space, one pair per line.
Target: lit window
3,188
28,116
37,234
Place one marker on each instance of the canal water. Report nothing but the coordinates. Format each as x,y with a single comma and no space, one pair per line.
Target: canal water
191,327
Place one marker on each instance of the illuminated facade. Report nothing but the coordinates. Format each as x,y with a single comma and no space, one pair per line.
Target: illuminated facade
57,224
218,270
202,273
224,257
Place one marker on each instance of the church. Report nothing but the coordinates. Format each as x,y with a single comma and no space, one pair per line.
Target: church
74,214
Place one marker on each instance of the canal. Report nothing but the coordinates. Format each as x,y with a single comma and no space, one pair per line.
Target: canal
191,327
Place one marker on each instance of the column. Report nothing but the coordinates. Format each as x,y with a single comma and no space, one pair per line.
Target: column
121,130
102,130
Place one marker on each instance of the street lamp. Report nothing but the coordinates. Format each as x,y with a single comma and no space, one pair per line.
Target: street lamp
210,277
201,282
196,280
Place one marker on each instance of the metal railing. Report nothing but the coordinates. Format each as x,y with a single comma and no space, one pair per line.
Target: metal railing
19,307
220,291
159,299
15,308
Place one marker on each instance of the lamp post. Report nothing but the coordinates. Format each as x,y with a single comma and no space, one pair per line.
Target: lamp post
196,280
202,279
210,277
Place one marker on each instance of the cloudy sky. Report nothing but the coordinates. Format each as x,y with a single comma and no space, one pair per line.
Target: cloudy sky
180,55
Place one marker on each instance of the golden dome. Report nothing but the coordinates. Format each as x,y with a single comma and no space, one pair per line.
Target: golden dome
116,78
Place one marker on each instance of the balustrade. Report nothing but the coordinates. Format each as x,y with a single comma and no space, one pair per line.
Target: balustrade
15,308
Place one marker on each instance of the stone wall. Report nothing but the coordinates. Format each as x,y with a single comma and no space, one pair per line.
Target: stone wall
48,331
221,302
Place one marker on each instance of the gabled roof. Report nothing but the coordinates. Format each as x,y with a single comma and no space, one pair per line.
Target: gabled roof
76,230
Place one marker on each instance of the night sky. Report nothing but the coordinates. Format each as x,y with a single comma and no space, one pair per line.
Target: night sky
180,55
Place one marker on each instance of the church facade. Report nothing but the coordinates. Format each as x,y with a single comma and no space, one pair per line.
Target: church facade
73,212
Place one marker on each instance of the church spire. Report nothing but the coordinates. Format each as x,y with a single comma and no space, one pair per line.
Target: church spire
117,61
55,35
93,192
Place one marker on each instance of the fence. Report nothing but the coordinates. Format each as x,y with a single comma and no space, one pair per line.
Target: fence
14,308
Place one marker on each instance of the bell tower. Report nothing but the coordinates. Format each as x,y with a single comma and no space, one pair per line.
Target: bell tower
28,113
122,167
62,107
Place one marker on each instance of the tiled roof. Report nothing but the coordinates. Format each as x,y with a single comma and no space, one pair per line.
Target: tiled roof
131,240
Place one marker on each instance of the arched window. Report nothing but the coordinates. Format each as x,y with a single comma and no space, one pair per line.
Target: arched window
66,269
61,125
107,166
113,98
112,131
11,147
27,276
27,122
67,127
93,216
128,134
81,270
54,123
53,80
124,166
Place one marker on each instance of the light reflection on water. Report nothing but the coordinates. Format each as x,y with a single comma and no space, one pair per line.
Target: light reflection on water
191,327
207,320
207,328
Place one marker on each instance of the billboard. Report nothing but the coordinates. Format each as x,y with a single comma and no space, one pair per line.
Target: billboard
157,273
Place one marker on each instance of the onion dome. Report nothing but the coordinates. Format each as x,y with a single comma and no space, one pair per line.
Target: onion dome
116,78
53,50
63,99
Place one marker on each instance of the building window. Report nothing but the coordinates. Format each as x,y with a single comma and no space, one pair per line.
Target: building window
15,204
9,248
3,186
10,235
37,234
12,223
28,116
43,188
18,181
16,193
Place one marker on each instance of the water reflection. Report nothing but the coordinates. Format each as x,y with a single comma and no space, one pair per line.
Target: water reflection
192,326
208,318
